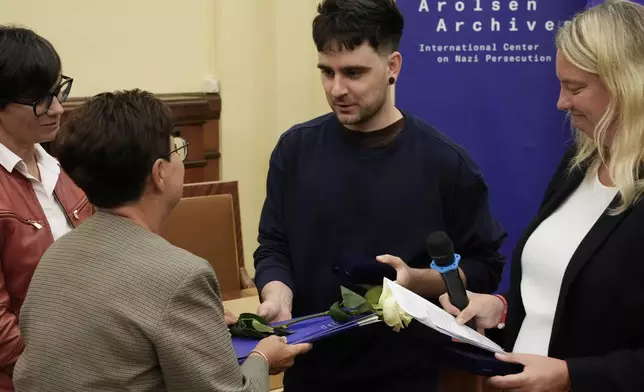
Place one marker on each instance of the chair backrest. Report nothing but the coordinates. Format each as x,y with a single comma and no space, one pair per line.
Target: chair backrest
206,222
221,188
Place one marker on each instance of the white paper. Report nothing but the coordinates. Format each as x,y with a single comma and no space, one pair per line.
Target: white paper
436,318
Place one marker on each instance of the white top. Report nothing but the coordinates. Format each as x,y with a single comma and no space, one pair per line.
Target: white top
44,189
546,256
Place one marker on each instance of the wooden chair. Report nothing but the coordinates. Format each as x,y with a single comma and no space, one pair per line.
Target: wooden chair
206,222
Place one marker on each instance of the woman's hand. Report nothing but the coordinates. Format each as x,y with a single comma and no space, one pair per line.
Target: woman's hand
487,309
280,356
230,317
540,374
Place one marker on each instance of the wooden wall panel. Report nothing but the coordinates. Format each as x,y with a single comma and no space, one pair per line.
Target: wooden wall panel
196,116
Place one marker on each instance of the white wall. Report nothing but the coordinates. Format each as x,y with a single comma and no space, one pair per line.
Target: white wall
261,50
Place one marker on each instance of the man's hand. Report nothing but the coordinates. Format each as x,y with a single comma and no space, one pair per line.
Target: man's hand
403,272
277,300
273,311
425,282
540,374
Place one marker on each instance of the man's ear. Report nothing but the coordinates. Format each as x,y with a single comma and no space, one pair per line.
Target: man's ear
394,64
158,175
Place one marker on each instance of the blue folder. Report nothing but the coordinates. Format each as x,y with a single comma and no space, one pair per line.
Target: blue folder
306,331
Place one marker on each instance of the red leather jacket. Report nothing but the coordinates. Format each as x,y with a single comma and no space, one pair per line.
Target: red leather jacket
24,236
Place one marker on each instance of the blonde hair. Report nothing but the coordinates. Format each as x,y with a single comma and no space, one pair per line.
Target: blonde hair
608,40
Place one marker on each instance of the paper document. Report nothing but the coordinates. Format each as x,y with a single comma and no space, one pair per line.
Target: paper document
436,318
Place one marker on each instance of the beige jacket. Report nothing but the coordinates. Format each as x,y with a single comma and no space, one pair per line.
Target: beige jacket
113,307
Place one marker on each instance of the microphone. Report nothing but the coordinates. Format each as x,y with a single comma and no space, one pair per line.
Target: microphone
441,250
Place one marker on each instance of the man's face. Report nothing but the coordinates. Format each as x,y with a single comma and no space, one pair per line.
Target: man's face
355,83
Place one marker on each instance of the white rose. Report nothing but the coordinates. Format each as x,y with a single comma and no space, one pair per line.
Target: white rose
392,314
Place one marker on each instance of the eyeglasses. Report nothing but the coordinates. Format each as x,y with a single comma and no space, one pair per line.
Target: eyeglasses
180,147
42,104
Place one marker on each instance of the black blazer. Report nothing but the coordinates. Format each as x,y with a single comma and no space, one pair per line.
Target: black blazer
599,321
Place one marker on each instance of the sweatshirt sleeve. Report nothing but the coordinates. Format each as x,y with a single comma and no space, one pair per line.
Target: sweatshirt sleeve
477,236
272,259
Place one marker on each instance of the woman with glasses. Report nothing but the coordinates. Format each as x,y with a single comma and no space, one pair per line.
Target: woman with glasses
38,202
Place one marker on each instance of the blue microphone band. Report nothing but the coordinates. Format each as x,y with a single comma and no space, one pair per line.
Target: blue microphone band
451,267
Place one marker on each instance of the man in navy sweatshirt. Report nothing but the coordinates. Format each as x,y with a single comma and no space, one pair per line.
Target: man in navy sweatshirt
347,189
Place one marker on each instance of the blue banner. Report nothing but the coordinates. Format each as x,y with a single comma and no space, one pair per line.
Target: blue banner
483,72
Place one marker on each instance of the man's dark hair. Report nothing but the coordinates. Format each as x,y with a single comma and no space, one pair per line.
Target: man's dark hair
347,24
109,145
29,65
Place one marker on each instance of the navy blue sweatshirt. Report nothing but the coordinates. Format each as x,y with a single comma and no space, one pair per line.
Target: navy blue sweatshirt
332,203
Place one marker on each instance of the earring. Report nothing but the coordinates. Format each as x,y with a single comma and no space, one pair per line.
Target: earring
392,80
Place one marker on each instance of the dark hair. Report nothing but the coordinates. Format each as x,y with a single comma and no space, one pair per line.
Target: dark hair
347,24
29,65
109,145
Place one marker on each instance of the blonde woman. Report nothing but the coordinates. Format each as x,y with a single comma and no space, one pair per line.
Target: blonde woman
575,307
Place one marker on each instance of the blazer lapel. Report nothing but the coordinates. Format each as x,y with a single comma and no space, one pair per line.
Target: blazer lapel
585,251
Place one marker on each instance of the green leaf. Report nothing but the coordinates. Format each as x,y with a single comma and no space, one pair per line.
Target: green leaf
246,332
338,314
365,308
350,299
258,326
252,316
373,295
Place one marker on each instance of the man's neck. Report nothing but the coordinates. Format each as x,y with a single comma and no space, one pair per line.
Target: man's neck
141,214
388,115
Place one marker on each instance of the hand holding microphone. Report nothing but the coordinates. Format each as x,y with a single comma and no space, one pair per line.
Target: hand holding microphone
486,309
475,310
445,261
